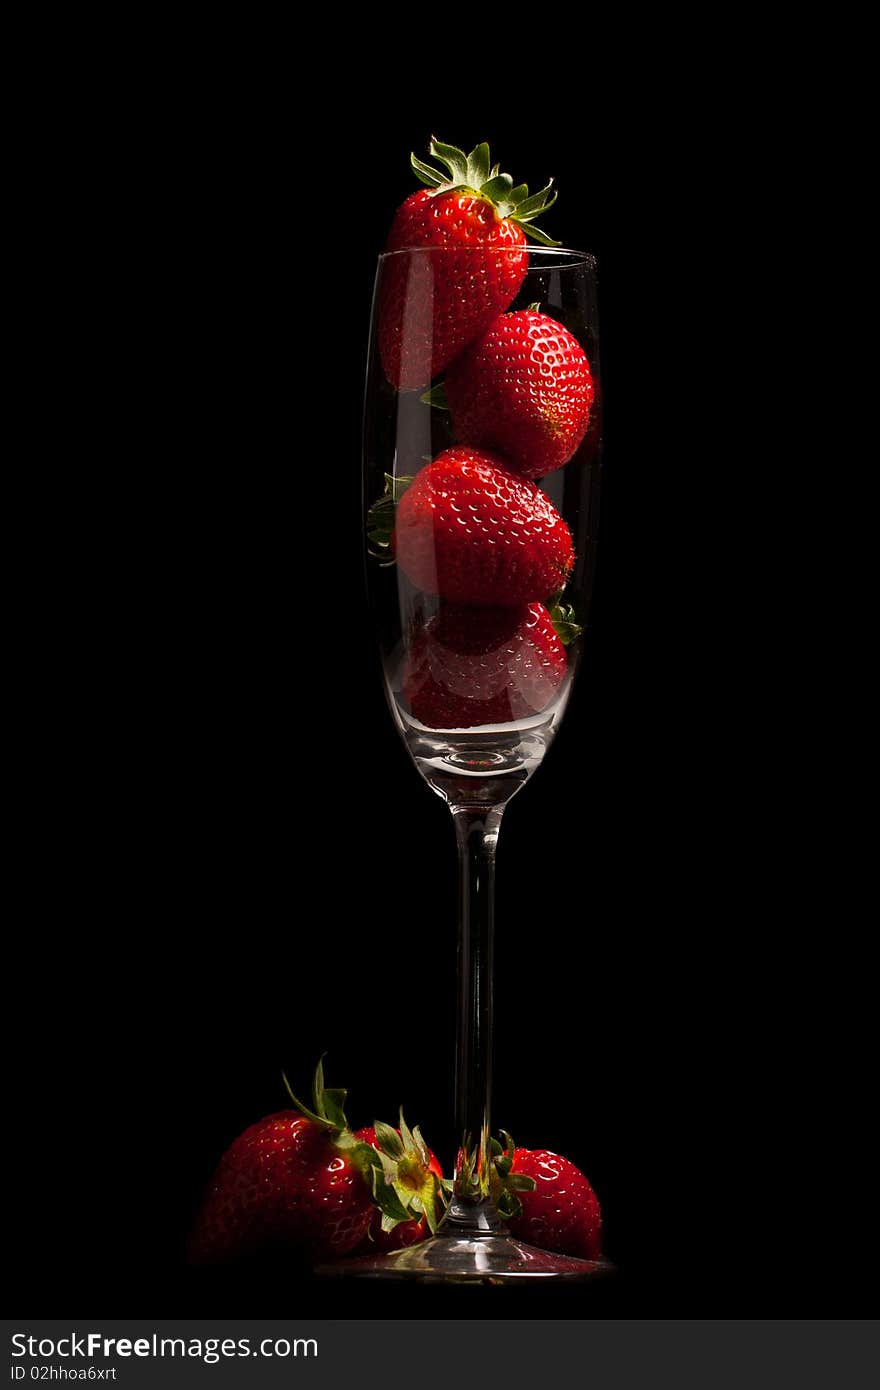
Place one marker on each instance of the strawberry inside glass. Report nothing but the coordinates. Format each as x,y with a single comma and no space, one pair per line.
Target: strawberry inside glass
482,489
481,472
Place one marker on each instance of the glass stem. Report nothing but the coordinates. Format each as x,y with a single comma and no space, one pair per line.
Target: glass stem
477,834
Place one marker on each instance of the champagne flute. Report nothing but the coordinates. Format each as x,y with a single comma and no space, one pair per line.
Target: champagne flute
477,682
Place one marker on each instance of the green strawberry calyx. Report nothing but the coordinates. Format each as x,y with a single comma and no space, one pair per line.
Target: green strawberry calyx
407,1188
380,517
504,1184
397,1171
475,174
564,618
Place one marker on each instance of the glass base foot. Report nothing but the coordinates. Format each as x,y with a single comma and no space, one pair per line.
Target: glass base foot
449,1259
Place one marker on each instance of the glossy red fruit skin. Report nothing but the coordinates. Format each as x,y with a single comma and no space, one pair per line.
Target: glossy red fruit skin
471,666
472,532
525,388
408,1232
282,1181
562,1213
431,307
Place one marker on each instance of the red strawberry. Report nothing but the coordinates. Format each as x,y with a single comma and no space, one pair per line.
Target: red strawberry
547,1201
524,388
474,533
415,1177
290,1178
430,307
472,666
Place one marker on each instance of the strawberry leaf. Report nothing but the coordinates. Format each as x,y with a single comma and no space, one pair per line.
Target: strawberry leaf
318,1087
406,1133
519,1182
328,1103
427,1210
380,517
499,189
539,202
535,234
388,1166
304,1109
389,1222
387,1200
334,1107
422,1147
564,618
431,1216
509,1206
328,1106
428,176
455,160
388,1139
436,396
478,166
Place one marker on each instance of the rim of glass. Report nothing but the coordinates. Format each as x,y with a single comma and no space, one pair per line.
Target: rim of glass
564,255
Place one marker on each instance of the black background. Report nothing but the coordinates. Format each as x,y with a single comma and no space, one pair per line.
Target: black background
243,870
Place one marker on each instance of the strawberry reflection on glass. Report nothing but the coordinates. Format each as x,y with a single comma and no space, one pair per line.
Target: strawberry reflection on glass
470,666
